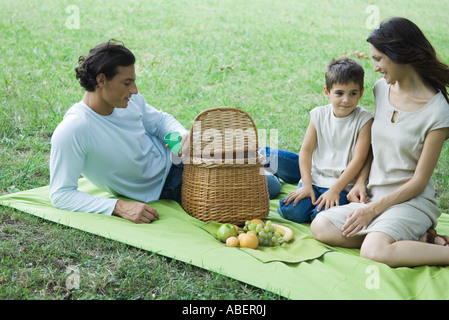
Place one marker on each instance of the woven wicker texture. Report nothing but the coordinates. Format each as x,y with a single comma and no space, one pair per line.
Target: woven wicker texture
224,180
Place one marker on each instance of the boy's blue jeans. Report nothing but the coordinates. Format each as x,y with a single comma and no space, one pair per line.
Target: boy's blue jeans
286,167
305,211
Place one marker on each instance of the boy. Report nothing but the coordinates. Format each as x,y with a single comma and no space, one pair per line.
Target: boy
335,146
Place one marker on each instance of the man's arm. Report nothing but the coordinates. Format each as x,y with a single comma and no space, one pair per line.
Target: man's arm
68,150
157,122
67,156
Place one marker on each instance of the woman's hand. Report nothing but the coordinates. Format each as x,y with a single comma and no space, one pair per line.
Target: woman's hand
358,220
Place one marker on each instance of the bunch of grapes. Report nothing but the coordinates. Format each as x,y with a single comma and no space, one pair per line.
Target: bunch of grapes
267,235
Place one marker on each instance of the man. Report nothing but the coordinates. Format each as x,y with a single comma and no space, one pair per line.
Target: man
115,140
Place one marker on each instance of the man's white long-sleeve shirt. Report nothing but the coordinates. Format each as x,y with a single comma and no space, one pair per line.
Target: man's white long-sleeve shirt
123,153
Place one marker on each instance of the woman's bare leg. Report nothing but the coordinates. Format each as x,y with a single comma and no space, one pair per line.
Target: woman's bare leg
381,247
325,231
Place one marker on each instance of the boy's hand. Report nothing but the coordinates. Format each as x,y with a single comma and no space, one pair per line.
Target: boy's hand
328,199
299,194
358,194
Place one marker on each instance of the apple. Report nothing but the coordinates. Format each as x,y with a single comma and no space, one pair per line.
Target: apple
225,231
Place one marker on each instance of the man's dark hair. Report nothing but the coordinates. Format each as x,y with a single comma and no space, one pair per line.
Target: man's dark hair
103,58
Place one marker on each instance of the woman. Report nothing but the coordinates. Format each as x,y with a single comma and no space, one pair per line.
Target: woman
410,126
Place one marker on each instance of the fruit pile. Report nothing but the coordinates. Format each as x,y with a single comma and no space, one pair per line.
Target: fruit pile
254,233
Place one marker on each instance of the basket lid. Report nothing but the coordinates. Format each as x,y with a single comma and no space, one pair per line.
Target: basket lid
224,135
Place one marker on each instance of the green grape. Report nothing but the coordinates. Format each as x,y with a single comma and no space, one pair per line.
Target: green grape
268,235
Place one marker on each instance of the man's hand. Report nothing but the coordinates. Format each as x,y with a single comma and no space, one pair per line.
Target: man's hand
185,143
135,211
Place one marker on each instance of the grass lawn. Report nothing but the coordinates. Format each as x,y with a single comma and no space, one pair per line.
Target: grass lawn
265,57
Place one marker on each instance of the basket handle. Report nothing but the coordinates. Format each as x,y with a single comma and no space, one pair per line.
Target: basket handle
205,112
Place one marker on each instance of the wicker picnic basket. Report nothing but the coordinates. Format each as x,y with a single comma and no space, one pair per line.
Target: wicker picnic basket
224,180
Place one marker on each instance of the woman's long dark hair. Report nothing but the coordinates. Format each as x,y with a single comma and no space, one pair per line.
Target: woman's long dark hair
404,43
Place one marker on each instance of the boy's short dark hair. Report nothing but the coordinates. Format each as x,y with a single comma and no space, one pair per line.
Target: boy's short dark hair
103,58
344,71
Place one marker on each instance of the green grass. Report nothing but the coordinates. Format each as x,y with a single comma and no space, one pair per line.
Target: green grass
265,57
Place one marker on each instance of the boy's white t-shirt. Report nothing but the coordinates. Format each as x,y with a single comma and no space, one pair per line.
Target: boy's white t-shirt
336,138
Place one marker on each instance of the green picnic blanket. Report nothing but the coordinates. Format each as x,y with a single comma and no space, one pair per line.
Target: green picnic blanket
303,269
